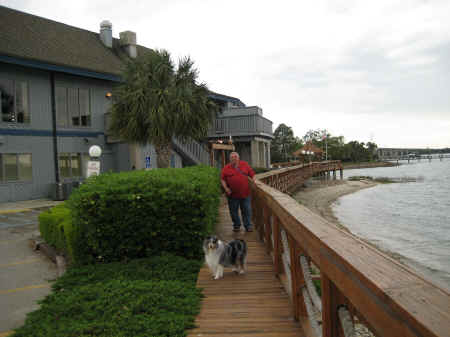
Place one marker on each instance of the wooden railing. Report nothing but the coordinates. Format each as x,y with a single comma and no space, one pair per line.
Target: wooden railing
358,282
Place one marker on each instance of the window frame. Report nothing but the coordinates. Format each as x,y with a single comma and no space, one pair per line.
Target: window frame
14,85
69,156
3,179
69,116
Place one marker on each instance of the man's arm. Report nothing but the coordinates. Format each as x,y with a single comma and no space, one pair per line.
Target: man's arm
225,187
251,173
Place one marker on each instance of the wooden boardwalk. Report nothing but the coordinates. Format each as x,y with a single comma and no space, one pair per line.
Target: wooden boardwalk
254,304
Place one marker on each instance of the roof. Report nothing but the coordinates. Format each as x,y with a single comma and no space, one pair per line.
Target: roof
225,98
33,38
308,147
37,42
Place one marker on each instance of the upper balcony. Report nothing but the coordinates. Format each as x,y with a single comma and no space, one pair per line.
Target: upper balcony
244,121
247,121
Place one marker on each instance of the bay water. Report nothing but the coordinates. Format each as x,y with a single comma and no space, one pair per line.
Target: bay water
410,220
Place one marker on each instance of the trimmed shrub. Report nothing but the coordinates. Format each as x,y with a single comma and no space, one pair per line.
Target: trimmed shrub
58,231
143,213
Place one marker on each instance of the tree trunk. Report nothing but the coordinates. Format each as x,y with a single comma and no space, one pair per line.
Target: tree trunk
163,152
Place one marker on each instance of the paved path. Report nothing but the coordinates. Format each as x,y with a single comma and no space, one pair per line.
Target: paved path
24,272
254,304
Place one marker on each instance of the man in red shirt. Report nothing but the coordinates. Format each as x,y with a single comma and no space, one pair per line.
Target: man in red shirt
234,180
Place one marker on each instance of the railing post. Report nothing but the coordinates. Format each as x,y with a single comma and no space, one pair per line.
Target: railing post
261,216
297,280
331,300
254,201
276,243
267,228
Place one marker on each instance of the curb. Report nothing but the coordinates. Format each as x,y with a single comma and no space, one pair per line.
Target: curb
19,210
37,243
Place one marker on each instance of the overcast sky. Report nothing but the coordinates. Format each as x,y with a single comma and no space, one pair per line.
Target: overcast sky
367,70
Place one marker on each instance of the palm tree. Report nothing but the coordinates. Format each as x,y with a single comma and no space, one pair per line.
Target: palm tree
158,101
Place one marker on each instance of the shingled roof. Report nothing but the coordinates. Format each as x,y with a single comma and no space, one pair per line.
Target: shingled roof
34,38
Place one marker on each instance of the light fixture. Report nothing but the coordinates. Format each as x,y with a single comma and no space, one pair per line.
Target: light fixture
95,151
108,95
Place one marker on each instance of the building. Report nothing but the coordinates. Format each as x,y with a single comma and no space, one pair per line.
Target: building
396,153
55,88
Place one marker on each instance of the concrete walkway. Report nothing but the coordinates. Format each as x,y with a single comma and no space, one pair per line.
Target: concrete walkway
24,272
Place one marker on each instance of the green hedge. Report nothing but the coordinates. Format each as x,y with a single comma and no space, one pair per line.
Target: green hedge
143,213
58,231
146,297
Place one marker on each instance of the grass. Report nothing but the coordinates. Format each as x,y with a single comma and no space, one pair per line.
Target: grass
144,297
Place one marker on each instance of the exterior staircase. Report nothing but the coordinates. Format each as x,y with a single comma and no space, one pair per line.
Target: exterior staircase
192,152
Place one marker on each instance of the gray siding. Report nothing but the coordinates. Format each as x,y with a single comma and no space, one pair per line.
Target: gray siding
36,137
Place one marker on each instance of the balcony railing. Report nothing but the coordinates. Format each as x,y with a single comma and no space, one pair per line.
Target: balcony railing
242,125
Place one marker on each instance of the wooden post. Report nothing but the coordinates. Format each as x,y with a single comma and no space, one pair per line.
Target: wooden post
254,207
223,158
267,228
261,215
276,243
331,299
211,157
297,280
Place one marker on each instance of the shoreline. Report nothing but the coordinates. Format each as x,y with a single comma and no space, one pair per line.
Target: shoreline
351,166
321,194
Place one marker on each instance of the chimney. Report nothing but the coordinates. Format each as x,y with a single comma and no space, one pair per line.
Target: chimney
128,42
106,33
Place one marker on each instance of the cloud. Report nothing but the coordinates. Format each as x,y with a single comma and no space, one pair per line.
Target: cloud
342,65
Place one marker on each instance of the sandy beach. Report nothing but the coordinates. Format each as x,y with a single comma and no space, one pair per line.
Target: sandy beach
320,194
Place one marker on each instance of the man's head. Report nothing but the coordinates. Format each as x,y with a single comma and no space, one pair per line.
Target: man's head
234,158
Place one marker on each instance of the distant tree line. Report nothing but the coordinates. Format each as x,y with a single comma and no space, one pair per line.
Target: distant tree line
285,143
428,151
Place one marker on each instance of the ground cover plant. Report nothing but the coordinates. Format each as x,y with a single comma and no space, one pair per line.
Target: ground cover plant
144,297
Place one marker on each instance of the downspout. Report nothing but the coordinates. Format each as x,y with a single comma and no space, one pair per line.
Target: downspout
58,185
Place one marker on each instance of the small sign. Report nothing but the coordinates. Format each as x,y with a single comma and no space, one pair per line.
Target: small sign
93,168
147,162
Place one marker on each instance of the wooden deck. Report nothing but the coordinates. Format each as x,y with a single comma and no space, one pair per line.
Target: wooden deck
254,304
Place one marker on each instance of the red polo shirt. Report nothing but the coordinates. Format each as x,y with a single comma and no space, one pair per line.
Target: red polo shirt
237,179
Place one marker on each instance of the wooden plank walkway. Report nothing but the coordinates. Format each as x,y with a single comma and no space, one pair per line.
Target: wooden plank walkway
254,304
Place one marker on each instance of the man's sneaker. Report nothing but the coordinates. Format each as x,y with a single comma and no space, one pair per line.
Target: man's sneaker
249,229
236,229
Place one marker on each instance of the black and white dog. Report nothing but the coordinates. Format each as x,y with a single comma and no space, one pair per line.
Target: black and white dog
219,254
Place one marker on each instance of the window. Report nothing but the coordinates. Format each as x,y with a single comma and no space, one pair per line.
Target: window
15,167
73,107
70,165
14,105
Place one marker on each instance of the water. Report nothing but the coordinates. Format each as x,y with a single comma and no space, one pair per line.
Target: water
408,219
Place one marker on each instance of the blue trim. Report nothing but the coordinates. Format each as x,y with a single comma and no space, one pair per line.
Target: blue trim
62,69
49,133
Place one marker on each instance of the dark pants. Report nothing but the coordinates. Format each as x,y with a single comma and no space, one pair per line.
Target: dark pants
246,210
